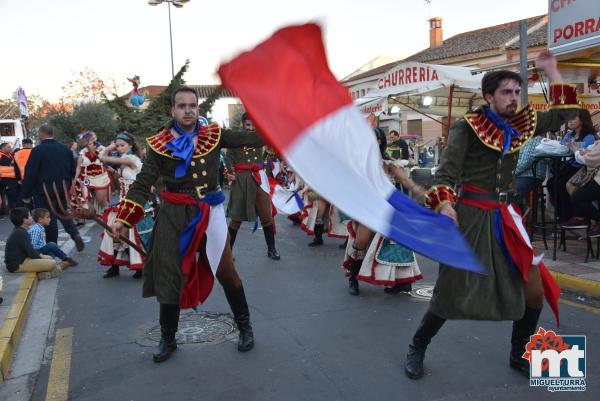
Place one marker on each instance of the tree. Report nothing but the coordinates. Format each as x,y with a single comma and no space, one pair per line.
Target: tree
86,86
145,123
96,117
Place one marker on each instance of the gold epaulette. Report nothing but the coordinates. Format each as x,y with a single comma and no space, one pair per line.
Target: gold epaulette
524,122
208,139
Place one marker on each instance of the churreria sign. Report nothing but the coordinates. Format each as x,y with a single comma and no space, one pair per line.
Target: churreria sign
556,362
407,75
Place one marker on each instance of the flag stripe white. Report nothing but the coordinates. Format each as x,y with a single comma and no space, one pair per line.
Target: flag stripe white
340,161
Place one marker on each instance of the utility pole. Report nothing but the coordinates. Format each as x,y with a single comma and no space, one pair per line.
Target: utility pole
523,62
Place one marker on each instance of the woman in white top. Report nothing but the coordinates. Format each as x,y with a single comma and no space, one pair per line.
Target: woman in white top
112,253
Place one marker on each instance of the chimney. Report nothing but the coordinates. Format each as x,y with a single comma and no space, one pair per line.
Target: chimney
435,32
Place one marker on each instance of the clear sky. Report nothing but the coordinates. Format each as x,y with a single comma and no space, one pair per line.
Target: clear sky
45,41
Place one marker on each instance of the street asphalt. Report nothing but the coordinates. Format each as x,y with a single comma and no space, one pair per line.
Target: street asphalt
313,340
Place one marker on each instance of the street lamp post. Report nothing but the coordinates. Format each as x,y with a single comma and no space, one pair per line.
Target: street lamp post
177,4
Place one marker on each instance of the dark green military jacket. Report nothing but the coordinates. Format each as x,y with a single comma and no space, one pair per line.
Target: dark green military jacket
473,156
162,271
242,196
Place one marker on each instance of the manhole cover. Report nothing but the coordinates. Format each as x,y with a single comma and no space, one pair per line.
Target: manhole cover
201,327
422,292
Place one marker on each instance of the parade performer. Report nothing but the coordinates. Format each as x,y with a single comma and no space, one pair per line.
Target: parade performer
184,156
92,182
113,253
375,259
316,211
480,161
250,192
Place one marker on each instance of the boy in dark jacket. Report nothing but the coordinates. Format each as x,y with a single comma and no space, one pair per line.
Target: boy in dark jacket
19,253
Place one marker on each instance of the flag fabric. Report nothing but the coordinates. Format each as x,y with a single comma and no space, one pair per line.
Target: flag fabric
308,117
285,199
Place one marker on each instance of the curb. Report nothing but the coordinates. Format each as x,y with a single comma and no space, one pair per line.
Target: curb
584,286
12,328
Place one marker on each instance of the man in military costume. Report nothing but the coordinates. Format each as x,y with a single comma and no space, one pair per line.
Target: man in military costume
250,191
189,244
479,162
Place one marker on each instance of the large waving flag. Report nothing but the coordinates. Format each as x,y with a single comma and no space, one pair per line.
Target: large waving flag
308,117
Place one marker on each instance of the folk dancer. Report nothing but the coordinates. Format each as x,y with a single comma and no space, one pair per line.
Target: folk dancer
249,191
480,161
190,245
113,253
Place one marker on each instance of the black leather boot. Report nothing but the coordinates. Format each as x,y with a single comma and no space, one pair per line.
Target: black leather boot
522,330
270,239
318,240
169,321
428,328
352,281
111,272
232,235
241,315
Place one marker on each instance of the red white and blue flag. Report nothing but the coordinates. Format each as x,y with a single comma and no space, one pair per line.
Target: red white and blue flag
308,117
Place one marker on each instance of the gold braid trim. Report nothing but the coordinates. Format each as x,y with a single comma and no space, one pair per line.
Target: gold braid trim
438,196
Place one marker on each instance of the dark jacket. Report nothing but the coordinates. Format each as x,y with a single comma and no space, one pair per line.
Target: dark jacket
18,248
50,162
398,149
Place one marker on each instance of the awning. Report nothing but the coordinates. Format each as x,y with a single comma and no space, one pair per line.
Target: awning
425,87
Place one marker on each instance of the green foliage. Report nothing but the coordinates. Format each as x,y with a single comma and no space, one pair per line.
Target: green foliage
146,122
97,117
115,114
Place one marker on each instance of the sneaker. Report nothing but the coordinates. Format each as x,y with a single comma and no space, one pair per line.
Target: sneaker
576,222
594,231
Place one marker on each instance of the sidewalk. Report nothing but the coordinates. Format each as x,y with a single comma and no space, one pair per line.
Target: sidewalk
18,291
569,268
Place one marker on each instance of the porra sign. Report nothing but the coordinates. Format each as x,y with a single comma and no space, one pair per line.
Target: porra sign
577,29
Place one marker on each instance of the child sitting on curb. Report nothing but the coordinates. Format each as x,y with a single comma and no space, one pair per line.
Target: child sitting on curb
41,218
19,254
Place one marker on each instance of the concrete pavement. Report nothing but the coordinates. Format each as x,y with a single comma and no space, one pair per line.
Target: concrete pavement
314,341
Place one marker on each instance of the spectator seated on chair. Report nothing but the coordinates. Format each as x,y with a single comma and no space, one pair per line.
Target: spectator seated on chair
525,179
583,198
581,135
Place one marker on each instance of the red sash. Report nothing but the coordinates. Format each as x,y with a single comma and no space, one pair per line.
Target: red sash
520,252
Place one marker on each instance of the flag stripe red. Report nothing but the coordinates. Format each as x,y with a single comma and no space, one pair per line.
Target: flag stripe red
299,92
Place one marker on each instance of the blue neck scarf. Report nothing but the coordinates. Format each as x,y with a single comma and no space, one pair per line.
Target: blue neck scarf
504,126
183,148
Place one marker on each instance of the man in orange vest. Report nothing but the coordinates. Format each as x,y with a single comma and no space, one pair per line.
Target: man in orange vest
22,156
9,183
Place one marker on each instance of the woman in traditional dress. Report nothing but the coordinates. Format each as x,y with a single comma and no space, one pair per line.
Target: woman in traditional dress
113,253
375,259
92,182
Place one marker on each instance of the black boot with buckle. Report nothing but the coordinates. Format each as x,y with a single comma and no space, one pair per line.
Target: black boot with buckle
428,328
241,315
522,330
169,321
269,232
